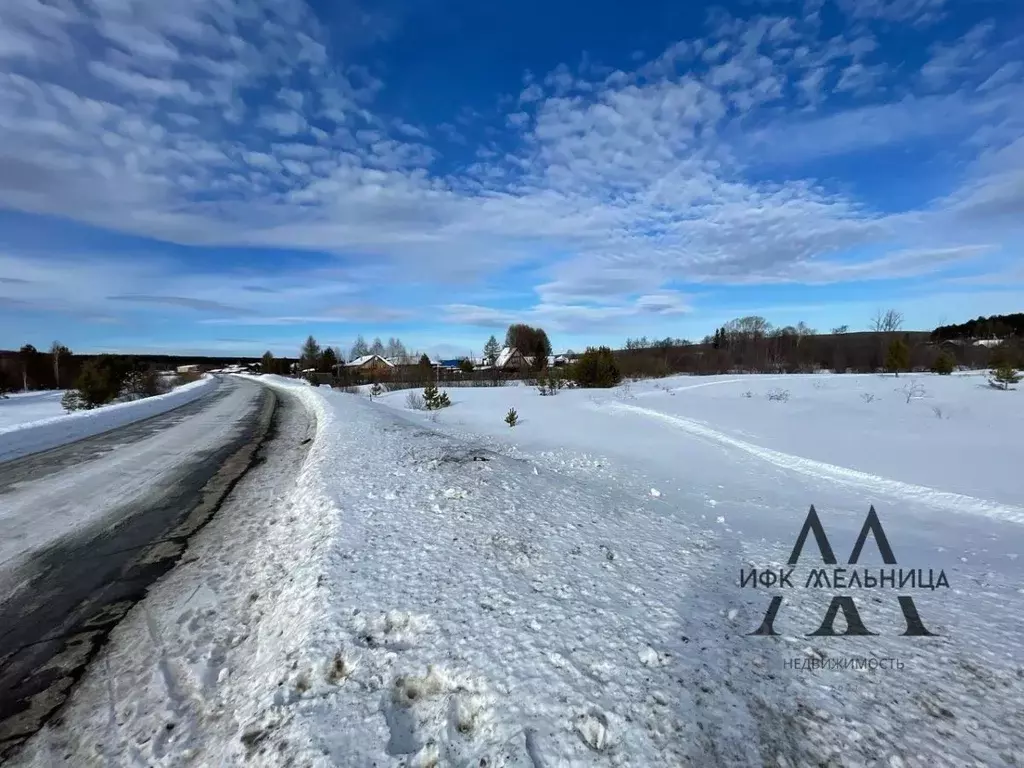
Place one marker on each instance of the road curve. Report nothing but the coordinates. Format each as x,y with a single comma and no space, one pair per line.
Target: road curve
87,527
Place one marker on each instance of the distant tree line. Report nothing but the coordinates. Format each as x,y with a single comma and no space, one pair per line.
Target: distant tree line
57,367
753,345
995,327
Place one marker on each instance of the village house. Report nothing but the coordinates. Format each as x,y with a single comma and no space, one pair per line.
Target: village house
370,364
511,359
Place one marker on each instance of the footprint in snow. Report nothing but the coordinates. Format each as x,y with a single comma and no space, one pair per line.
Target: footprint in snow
394,630
594,729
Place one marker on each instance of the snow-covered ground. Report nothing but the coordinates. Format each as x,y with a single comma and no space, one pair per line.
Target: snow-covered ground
34,422
445,590
24,407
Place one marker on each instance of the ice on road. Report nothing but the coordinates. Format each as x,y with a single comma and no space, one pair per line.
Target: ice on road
39,507
87,527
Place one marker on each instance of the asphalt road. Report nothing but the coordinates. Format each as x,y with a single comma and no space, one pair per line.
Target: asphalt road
94,523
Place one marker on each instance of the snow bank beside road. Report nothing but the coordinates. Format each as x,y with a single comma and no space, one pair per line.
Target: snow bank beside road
27,438
449,605
453,607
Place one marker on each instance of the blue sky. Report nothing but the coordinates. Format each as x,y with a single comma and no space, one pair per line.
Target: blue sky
228,176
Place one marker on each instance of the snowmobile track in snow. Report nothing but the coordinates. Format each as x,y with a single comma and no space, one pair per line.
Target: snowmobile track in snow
820,470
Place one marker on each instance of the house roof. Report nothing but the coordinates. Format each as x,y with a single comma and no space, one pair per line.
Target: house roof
505,357
360,361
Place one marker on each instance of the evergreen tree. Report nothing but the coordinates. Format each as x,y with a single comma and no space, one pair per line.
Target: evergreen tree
434,400
328,359
944,364
1004,375
267,363
491,350
310,355
597,368
897,357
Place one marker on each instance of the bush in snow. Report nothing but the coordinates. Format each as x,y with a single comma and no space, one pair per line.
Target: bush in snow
782,395
597,368
944,364
511,418
1003,376
550,384
912,391
141,384
376,390
748,394
72,400
867,397
414,401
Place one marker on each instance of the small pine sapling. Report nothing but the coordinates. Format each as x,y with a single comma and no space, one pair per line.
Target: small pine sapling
433,399
1003,376
72,400
511,418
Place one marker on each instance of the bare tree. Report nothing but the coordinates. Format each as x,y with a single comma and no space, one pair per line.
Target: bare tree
889,321
395,351
360,347
27,354
57,351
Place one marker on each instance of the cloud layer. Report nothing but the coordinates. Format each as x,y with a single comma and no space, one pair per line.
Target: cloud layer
245,123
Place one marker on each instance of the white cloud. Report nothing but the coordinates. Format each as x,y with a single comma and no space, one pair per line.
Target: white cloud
949,62
914,11
531,93
633,180
860,78
283,123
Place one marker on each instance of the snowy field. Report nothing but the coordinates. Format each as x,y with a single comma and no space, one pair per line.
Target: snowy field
23,407
33,422
449,591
